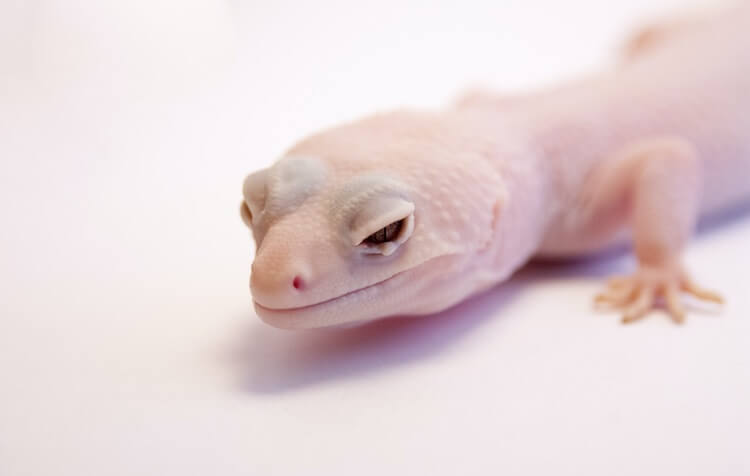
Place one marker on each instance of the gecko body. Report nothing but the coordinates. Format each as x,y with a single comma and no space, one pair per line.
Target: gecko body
410,212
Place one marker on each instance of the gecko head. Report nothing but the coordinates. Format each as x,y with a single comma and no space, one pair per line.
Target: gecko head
350,227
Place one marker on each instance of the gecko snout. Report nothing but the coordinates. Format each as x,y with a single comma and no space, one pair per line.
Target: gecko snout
277,284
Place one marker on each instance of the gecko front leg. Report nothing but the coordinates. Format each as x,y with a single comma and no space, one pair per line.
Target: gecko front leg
658,183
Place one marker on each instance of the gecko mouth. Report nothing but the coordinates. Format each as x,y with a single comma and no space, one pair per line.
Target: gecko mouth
330,300
360,304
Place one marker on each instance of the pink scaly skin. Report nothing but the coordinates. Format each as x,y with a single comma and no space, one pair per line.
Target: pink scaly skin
472,193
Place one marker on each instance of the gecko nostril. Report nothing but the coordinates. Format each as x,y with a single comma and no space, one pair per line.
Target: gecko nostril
298,283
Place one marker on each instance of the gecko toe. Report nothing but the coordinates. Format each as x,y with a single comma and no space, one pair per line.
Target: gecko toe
643,303
674,307
617,295
693,289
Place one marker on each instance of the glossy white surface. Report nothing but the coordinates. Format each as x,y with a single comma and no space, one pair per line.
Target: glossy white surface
127,341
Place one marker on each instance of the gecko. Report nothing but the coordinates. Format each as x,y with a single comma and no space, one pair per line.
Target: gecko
410,212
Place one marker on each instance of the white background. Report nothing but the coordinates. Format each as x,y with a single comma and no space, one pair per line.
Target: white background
128,344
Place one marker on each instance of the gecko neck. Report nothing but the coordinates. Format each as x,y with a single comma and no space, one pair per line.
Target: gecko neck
546,140
570,131
525,184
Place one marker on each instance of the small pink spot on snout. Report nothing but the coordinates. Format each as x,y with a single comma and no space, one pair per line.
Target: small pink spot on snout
298,283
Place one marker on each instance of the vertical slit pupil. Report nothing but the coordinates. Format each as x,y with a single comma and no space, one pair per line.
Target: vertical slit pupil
383,235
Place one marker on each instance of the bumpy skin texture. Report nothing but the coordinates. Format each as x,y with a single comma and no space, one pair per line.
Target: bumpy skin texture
636,154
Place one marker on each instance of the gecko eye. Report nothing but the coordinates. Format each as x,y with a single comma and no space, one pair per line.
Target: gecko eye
388,238
382,225
384,235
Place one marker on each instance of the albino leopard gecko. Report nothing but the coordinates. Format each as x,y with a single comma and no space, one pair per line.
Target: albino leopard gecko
408,213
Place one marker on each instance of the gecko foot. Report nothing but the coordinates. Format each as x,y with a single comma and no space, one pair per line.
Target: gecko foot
639,293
